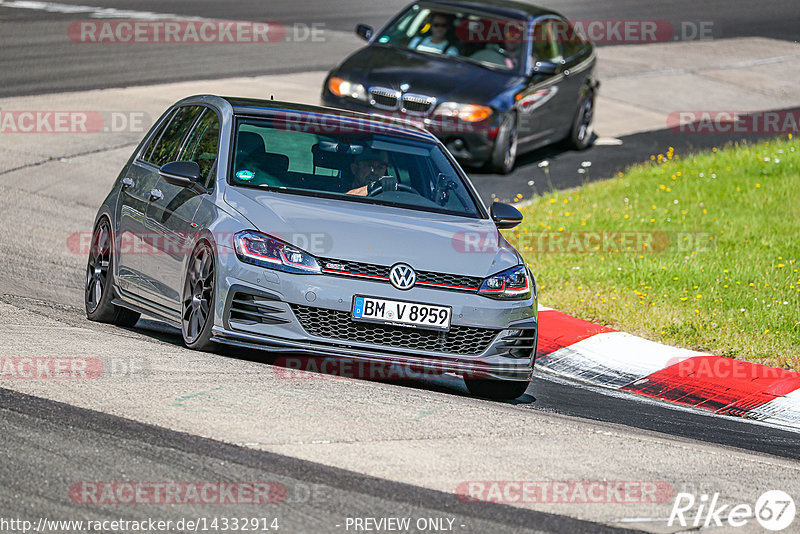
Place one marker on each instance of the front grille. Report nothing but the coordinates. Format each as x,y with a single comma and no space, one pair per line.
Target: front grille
338,325
453,280
418,103
250,309
384,98
381,273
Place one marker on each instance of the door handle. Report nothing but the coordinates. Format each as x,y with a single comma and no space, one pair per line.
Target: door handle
127,182
156,194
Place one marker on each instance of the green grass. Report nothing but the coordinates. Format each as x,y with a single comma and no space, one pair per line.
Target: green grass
712,260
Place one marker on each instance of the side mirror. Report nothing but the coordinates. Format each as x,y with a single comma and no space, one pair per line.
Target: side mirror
505,216
364,31
180,173
546,67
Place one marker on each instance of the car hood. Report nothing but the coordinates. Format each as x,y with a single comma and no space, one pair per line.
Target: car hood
382,235
427,74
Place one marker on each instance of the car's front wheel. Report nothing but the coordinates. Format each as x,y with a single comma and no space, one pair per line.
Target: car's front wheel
197,308
99,291
582,132
496,389
504,153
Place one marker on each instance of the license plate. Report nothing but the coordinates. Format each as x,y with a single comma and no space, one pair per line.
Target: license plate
400,313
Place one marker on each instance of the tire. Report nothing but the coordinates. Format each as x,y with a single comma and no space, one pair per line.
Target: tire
582,133
497,389
504,153
99,289
198,297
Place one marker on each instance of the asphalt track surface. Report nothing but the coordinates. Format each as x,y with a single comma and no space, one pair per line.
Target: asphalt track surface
47,444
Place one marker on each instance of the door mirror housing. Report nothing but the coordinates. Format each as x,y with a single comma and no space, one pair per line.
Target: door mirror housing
180,173
505,216
546,68
364,31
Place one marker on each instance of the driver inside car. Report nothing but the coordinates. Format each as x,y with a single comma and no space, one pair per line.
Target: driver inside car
369,171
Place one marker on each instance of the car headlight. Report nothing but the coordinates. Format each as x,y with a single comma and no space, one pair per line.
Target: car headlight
465,112
342,87
512,284
265,251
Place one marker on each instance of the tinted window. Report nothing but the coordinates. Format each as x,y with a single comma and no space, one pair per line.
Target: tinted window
571,43
201,146
350,165
545,43
156,136
166,149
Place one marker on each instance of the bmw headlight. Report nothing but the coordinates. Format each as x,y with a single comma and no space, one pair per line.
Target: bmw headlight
265,251
342,87
515,283
465,112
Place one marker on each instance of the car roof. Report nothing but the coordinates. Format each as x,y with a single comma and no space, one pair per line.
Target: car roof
256,106
506,8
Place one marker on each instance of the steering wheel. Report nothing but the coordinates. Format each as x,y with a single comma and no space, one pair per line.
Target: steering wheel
378,189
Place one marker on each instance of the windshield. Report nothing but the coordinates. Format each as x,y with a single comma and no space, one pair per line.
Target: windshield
484,39
333,161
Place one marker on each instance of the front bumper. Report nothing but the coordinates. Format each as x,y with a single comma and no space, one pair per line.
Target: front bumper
269,310
468,143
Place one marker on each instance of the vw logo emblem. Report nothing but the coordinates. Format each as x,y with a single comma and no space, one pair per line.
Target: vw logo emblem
404,87
402,276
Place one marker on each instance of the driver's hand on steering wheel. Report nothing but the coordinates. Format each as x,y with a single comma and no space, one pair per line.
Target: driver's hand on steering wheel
386,183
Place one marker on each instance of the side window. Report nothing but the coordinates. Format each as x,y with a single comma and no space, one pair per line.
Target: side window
156,136
166,149
545,45
571,43
201,146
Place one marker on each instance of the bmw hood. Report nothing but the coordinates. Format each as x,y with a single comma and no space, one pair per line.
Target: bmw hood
383,235
442,77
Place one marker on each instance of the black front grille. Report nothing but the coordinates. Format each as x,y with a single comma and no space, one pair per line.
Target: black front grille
384,98
415,104
337,325
250,309
354,267
453,280
443,280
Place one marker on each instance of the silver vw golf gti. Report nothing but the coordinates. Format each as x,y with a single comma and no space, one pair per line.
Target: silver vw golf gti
294,228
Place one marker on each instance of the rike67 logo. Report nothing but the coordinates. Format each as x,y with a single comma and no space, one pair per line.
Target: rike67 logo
774,510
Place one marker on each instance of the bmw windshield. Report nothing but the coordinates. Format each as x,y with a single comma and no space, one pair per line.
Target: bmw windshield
485,39
350,164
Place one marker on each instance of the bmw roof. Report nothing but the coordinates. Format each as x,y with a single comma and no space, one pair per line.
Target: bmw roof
506,8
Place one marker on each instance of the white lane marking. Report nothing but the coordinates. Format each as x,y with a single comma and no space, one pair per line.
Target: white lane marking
608,141
96,12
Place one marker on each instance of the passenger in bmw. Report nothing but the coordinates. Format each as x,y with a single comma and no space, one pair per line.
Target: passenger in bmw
436,42
368,168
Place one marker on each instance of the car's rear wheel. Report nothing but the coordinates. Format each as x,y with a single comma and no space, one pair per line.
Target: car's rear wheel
99,291
496,389
582,132
504,153
197,309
